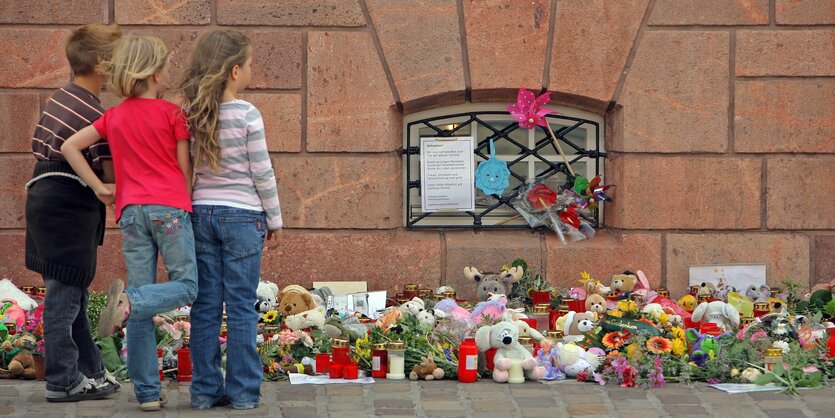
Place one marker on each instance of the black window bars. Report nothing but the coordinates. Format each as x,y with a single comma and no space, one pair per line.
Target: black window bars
415,218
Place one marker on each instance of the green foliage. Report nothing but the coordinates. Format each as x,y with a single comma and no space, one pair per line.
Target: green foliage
96,304
421,342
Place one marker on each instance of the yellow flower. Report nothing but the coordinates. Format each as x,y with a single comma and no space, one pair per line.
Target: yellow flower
678,333
628,306
270,317
679,347
363,347
633,350
664,319
615,313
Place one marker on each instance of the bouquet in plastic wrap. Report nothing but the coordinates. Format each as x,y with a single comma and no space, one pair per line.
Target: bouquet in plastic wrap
563,208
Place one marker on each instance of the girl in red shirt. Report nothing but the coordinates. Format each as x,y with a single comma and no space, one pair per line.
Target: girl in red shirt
149,140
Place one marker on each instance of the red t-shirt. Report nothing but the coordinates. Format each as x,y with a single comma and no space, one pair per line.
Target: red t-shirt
143,135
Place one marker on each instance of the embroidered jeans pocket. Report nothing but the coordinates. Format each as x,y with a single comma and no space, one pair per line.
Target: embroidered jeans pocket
168,224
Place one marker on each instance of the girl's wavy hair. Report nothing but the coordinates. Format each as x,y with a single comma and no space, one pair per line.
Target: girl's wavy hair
203,86
134,61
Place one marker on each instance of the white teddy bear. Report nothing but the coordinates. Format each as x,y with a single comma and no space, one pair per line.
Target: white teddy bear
313,318
573,360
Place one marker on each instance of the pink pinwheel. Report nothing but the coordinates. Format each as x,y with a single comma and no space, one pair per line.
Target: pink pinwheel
528,109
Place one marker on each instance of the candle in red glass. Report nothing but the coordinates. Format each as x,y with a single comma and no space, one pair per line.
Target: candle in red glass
323,362
159,365
831,341
336,370
468,361
184,363
379,361
350,371
340,351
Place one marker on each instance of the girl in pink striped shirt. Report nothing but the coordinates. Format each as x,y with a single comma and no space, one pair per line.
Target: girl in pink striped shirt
235,207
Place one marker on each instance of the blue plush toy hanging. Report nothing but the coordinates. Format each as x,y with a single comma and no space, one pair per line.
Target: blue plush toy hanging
492,176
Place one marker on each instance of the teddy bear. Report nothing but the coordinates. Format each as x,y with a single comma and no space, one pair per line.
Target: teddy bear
758,294
706,289
574,324
21,365
724,315
493,283
596,303
624,283
504,337
313,318
573,360
426,370
294,299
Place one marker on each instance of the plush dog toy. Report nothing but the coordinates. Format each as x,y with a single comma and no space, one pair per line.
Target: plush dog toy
294,299
21,365
504,337
426,370
724,315
493,283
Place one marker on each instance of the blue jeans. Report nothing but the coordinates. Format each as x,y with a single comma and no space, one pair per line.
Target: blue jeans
146,231
228,242
71,354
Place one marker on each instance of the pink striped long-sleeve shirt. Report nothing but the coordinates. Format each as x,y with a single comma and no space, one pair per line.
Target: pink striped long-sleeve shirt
245,178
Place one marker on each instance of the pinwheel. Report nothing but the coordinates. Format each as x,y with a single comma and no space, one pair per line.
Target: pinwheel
529,111
590,192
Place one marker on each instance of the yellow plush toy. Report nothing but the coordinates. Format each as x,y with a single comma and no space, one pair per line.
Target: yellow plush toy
688,302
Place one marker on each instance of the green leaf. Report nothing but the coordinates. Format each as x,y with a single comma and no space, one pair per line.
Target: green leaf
765,379
779,370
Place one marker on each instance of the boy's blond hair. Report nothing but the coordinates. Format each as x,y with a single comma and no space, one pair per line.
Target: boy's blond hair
135,60
90,47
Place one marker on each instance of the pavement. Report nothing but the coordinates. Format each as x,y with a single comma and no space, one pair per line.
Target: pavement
483,399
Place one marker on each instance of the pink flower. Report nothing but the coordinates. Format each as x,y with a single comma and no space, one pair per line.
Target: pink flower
758,335
288,337
528,109
810,369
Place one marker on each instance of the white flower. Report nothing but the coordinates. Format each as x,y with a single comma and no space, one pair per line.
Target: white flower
751,374
781,345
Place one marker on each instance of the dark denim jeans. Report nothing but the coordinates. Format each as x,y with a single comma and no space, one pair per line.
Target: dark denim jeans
71,355
146,231
229,242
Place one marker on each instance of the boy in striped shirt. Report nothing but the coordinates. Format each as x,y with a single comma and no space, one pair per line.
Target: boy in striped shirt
65,220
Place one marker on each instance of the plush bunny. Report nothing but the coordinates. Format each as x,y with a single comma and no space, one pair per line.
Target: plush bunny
493,283
504,337
724,315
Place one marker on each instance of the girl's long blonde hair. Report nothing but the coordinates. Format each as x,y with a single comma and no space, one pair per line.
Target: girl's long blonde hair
135,60
203,87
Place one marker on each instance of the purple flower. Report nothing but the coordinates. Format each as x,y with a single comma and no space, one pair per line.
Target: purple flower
598,377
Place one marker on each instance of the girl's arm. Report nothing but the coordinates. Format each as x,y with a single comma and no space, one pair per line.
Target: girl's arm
72,148
184,160
262,171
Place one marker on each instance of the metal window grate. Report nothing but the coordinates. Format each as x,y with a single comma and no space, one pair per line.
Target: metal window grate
499,127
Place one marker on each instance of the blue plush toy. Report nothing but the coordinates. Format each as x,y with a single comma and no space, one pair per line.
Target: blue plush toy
492,176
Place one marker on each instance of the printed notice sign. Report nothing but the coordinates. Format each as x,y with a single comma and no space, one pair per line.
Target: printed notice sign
446,174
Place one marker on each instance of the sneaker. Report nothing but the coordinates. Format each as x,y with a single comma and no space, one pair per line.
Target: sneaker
87,390
108,379
151,406
223,401
117,310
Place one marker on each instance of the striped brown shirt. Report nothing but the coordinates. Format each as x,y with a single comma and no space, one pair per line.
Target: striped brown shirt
70,109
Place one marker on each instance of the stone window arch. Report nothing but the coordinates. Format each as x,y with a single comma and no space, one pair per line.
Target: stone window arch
532,155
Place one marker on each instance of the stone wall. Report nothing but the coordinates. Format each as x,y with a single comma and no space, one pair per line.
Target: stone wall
720,122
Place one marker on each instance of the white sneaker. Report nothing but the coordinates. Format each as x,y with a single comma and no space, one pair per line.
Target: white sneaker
87,390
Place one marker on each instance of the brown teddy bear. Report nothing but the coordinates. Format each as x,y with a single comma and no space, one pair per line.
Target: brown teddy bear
597,304
426,370
574,324
624,283
21,364
294,299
